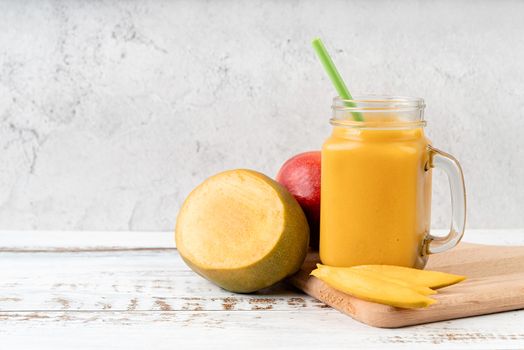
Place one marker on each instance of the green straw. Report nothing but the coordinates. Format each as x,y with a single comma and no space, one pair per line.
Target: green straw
335,77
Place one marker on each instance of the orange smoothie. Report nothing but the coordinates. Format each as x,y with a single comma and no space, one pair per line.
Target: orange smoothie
376,197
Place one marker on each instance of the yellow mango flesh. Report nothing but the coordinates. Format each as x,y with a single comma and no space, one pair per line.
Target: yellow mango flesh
431,279
369,287
242,230
404,283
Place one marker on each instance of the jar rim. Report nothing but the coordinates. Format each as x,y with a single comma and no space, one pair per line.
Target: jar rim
378,125
378,103
407,112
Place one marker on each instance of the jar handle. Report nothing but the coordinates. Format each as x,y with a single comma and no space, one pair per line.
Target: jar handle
448,163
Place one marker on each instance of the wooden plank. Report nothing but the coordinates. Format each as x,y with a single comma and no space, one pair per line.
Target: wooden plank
61,291
124,280
327,329
104,279
126,240
37,241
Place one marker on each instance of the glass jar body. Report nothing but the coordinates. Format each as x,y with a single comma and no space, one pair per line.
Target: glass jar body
376,197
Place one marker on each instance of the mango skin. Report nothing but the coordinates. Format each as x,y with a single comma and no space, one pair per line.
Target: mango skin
284,259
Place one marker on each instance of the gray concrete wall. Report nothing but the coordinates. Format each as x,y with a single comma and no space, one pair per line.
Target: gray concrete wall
112,111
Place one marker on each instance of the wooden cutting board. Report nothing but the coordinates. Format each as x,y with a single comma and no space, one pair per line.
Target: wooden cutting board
495,283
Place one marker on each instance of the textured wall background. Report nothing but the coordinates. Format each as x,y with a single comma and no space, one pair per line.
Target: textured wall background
111,112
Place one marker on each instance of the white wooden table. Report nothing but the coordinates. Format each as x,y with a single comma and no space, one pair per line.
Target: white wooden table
127,290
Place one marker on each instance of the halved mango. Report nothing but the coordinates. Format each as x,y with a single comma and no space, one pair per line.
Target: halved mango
431,279
368,287
242,230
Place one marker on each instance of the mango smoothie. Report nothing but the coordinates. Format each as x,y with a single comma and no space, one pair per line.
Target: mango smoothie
376,181
376,196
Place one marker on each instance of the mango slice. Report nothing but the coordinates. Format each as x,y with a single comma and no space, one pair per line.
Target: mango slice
431,279
242,230
404,283
368,287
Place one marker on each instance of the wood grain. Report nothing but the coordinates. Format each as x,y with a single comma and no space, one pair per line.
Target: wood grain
326,329
125,290
495,283
155,280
